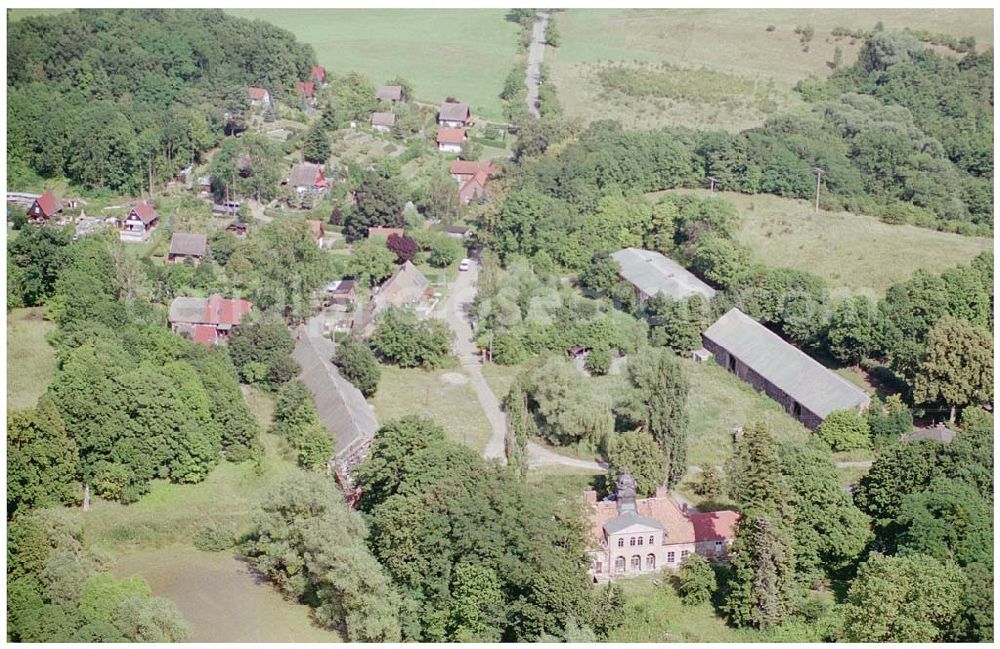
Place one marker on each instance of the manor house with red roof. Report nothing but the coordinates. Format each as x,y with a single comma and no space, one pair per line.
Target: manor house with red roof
631,537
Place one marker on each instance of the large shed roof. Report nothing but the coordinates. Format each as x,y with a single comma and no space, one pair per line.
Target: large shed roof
341,406
652,273
786,367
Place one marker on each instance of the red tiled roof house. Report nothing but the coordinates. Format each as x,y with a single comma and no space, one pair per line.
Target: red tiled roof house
450,140
305,89
259,96
44,208
207,320
631,537
318,75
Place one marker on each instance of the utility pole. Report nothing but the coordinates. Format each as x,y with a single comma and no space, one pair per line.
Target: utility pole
711,185
819,175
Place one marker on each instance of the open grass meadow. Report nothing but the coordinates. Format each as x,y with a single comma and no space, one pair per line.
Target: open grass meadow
719,402
463,53
446,396
221,598
31,361
854,253
713,68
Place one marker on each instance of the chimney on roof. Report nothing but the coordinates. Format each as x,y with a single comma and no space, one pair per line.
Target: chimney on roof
625,491
684,508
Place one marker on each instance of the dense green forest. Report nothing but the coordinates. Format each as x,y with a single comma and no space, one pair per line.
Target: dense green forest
112,99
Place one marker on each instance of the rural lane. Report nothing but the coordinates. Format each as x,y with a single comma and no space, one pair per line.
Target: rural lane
463,292
536,51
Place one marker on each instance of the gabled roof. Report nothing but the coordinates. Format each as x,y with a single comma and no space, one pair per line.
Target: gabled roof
475,186
306,174
318,73
204,334
940,434
305,88
659,512
714,526
226,311
461,167
389,93
450,135
257,94
814,387
383,119
48,203
340,405
189,244
652,273
632,522
406,285
341,287
454,111
144,212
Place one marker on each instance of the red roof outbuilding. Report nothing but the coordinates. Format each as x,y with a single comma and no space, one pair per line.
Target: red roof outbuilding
447,135
305,88
318,74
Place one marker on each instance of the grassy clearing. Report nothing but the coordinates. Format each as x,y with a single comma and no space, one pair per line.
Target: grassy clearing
31,361
655,614
718,403
459,53
432,394
221,598
734,42
854,253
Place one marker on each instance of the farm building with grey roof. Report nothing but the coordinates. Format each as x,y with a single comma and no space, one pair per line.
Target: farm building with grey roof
807,390
651,273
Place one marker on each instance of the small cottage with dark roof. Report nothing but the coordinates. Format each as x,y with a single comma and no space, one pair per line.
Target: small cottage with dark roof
187,246
141,220
383,121
389,94
804,388
454,114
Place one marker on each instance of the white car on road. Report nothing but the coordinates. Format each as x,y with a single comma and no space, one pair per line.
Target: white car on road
464,264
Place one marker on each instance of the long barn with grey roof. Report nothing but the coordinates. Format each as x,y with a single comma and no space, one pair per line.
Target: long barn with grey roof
651,273
340,405
807,390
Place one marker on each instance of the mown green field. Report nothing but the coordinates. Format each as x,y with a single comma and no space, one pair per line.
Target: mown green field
730,48
445,396
462,53
854,253
31,361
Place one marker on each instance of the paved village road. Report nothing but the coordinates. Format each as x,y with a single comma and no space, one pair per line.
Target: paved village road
536,51
463,292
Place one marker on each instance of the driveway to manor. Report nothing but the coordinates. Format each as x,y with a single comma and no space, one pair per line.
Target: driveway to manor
533,75
463,292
